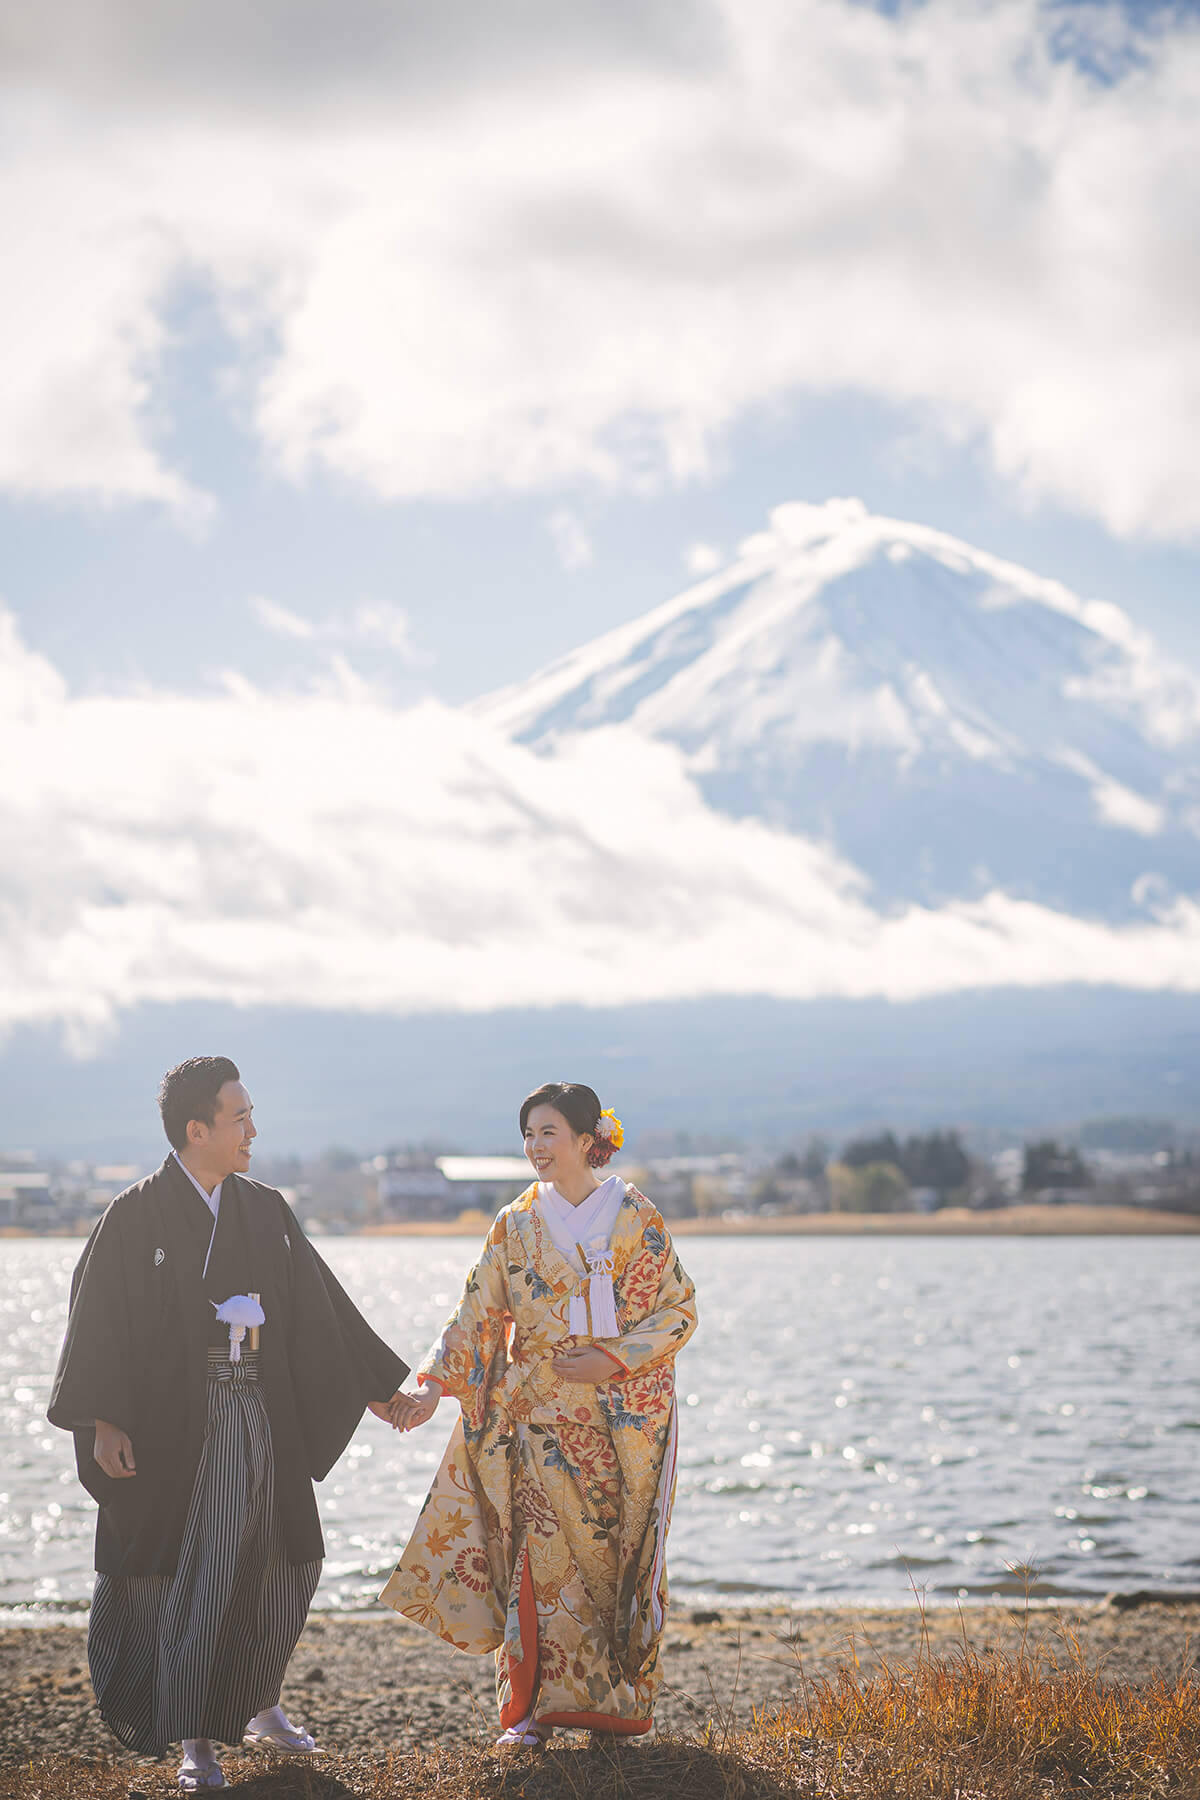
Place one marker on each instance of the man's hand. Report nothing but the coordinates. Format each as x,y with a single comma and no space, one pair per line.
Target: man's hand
386,1409
586,1364
114,1452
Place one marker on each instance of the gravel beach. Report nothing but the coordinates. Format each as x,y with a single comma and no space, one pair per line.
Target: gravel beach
370,1684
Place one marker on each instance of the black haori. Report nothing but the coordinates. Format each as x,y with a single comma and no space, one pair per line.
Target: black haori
208,1556
199,1653
136,1351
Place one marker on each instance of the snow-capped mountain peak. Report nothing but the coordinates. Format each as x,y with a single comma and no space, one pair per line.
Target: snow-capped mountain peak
946,720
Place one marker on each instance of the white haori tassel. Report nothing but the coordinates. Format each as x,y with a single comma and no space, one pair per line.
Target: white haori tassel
240,1312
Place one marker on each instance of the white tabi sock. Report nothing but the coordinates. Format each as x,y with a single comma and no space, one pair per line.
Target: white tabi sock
198,1753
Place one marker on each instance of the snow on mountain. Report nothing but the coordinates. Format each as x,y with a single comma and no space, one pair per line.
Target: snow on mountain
948,723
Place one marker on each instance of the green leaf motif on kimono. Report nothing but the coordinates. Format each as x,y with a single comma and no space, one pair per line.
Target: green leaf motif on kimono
654,1240
626,1421
541,1290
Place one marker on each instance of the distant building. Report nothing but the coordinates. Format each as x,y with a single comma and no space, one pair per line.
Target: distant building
411,1187
484,1183
26,1203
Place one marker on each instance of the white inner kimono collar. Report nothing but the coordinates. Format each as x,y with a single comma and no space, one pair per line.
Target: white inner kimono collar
589,1224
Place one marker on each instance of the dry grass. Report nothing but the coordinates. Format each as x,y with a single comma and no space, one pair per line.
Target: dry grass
1035,1722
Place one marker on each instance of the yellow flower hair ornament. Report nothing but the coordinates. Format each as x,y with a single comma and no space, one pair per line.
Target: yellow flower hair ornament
609,1135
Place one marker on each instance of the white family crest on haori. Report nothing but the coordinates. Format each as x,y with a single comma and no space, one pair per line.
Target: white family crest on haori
239,1312
287,1240
160,1257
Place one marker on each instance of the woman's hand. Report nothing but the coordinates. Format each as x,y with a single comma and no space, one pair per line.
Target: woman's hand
586,1364
420,1408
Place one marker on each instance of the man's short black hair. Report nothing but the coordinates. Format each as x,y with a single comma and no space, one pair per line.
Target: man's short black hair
189,1091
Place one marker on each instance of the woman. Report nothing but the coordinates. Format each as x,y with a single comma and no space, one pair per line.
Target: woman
544,1534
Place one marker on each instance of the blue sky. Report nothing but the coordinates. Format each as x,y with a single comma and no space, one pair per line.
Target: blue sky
365,357
125,596
146,164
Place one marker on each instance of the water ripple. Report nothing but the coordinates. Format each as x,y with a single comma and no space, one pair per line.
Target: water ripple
855,1416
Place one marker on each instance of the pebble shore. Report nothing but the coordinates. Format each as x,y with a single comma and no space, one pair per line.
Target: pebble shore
371,1684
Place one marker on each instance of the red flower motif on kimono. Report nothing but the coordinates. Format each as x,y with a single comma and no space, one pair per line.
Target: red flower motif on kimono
639,1286
536,1510
589,1451
473,1570
552,1659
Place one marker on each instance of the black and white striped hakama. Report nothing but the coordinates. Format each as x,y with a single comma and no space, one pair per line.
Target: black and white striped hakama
199,1653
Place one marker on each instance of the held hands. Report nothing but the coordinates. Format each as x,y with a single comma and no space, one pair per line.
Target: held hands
113,1451
406,1411
586,1364
421,1407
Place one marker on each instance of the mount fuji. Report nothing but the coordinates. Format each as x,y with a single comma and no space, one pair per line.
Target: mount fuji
869,828
948,723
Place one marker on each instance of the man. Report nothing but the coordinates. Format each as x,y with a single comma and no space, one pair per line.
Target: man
213,1368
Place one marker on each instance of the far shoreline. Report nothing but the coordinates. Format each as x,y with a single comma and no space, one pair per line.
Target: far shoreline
949,1221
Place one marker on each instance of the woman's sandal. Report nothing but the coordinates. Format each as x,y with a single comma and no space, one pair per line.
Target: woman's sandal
532,1737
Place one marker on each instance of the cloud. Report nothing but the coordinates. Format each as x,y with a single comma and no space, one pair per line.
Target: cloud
472,250
571,540
331,851
378,622
279,620
702,559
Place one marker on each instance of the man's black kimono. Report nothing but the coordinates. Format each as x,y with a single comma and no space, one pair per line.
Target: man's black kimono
136,1349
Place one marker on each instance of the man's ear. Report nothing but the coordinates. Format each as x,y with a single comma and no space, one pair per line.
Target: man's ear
197,1131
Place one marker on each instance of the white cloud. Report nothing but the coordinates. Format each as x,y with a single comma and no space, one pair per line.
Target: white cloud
330,851
515,247
278,619
702,559
378,622
571,540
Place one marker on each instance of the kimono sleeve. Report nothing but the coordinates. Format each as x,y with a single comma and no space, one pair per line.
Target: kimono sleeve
471,1354
94,1379
382,1370
655,1277
332,1363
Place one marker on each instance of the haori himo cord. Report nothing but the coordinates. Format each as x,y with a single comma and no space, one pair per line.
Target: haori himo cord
543,1537
213,1368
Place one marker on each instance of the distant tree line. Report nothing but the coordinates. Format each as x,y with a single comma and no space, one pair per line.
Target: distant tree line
937,1160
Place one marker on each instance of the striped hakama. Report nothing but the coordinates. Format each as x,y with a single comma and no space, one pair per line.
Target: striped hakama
199,1653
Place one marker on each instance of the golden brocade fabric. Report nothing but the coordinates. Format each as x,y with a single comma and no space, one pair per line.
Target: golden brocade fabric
543,1535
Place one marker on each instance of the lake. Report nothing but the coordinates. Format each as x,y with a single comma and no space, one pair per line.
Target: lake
856,1415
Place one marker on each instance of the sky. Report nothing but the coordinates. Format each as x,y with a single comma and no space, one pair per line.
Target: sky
363,357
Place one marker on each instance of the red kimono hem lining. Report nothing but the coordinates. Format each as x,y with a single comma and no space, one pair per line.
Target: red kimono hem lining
584,1721
524,1678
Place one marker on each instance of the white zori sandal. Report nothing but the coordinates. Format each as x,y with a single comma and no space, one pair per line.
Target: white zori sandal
273,1730
198,1770
526,1735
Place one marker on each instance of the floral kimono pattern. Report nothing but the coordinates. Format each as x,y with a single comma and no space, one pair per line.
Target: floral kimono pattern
543,1536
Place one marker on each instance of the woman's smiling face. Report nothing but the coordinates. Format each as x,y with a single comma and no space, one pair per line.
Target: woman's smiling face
552,1147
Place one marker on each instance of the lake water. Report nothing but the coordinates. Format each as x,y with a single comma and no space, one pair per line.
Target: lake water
854,1415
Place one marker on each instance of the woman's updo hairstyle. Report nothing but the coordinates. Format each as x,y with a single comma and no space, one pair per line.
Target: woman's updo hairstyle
579,1106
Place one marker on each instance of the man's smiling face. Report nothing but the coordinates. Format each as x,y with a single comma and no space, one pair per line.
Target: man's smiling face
225,1145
